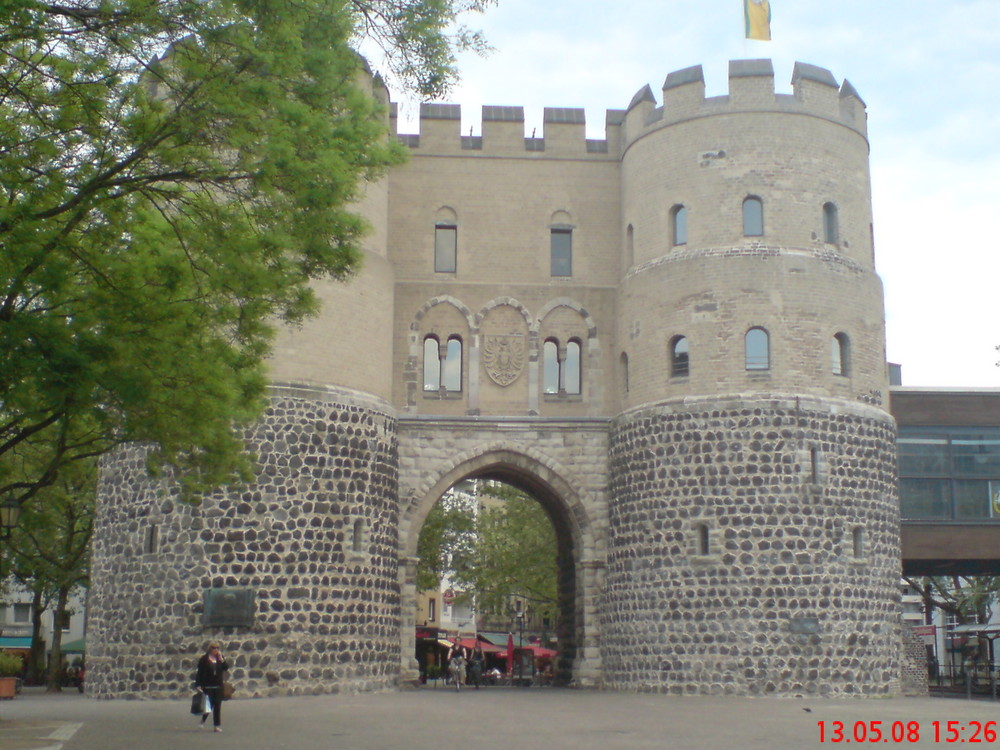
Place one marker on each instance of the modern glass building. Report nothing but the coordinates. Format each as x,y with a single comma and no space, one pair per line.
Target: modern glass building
949,472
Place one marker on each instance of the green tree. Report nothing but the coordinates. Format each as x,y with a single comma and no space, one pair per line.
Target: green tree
966,597
514,556
51,548
448,530
173,175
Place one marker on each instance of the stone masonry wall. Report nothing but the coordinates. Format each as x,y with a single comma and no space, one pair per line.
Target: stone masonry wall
753,549
314,539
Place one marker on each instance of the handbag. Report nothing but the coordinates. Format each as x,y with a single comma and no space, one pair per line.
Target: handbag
227,690
196,704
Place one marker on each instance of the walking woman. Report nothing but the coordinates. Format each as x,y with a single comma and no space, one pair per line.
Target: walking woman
211,671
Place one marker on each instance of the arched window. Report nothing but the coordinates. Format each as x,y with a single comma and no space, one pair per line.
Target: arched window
831,230
445,372
630,246
680,363
679,225
840,351
753,217
432,363
757,349
571,368
451,368
550,366
561,376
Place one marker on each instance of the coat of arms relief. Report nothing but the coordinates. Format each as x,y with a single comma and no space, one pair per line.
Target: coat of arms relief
504,354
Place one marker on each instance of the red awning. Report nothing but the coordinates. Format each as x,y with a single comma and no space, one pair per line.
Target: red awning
542,653
487,647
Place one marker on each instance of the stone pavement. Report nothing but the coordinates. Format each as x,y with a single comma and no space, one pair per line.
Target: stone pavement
490,719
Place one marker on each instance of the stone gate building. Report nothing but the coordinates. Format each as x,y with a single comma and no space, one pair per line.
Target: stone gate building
672,337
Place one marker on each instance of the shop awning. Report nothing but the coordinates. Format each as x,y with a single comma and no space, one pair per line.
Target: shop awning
74,647
14,642
486,646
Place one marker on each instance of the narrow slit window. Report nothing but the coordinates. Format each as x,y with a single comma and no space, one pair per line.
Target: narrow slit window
704,546
571,368
753,217
831,228
678,225
152,539
550,366
757,349
451,371
432,363
358,536
858,542
680,360
840,354
624,371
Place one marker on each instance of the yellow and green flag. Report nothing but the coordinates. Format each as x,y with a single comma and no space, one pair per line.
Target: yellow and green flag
757,14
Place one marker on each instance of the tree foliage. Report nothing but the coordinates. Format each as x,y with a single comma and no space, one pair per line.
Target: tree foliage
173,175
448,534
514,556
969,598
501,552
51,552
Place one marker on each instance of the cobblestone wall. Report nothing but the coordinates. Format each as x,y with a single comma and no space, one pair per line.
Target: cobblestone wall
314,539
753,549
914,679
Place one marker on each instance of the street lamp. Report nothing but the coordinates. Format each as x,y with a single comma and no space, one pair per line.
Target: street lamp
10,513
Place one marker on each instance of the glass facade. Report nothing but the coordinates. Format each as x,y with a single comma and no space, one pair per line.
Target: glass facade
949,473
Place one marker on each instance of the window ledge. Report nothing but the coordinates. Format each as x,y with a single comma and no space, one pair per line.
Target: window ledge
445,396
554,398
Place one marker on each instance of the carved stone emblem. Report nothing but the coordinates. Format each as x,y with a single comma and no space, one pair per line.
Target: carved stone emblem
503,356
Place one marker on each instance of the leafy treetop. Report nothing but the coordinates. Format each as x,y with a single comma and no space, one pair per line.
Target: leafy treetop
173,175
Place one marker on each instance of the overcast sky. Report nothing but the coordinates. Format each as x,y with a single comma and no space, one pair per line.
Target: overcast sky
928,71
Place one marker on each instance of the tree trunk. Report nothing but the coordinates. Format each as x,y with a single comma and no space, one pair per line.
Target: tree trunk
36,660
55,654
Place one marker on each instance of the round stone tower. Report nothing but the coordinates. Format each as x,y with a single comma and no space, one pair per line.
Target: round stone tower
754,540
296,577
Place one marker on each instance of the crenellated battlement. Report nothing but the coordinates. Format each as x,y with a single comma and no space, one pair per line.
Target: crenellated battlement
815,92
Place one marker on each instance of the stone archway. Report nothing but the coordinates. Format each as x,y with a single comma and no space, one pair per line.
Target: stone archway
578,517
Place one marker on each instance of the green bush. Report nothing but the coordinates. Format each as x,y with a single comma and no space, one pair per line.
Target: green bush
10,664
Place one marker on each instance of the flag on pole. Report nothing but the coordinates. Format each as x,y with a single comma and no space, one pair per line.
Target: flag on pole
757,14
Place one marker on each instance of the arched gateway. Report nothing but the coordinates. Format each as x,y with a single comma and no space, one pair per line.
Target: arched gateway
569,481
655,334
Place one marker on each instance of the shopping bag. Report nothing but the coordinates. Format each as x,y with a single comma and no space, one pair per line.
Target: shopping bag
206,704
227,690
196,704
